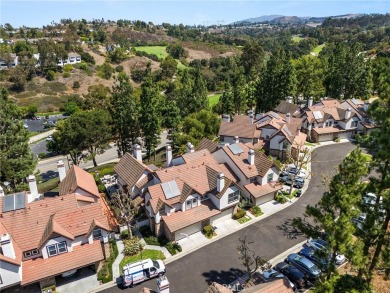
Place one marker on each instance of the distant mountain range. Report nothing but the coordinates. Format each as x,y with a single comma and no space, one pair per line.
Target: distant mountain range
281,19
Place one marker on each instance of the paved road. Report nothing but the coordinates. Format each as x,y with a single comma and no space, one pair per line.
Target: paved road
218,262
48,167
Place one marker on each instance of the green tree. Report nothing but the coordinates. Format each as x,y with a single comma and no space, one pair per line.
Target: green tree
70,108
170,113
87,130
98,97
124,109
309,72
252,58
118,55
347,75
198,96
17,76
226,102
336,208
168,67
176,50
31,110
16,159
239,96
275,83
150,120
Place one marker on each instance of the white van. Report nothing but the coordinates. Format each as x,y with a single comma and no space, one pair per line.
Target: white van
137,272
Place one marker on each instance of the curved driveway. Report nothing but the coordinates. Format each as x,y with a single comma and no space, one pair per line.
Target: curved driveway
218,261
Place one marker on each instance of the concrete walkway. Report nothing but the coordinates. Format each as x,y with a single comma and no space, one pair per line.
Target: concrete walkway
115,266
40,136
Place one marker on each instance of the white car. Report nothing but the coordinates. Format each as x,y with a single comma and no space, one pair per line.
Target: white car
39,117
370,199
25,125
49,138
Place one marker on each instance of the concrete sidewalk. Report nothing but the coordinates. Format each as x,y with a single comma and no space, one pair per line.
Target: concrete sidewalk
40,136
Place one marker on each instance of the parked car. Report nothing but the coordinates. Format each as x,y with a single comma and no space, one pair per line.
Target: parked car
39,117
49,138
25,125
310,269
299,182
320,244
299,193
370,199
293,274
310,254
272,275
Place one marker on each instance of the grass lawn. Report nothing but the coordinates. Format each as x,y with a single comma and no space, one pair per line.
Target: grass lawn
214,99
147,253
244,219
297,39
318,49
48,185
32,133
159,51
105,169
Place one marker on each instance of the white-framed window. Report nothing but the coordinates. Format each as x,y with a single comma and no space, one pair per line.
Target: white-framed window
267,137
55,249
270,177
97,234
191,203
234,196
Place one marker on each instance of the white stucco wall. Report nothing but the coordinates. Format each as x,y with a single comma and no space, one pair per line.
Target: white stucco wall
80,191
274,142
56,241
223,201
10,274
79,240
273,171
267,131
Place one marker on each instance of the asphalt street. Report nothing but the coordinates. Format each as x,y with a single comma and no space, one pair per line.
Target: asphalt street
218,261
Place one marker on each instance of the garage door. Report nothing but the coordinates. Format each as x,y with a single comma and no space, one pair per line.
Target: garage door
345,135
325,137
225,215
182,233
265,198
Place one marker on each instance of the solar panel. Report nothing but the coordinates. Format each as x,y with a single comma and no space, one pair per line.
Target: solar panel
356,102
235,149
20,201
317,115
8,203
170,189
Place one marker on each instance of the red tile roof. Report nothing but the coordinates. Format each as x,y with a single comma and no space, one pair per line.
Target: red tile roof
258,190
240,126
18,253
180,219
130,169
333,129
64,210
82,255
260,167
78,178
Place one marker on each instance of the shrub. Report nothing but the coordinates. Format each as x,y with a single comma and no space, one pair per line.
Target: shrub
76,84
152,240
105,273
336,139
42,155
50,75
170,248
125,234
241,213
208,231
66,74
145,231
256,210
281,198
68,68
119,68
132,246
177,246
83,66
101,188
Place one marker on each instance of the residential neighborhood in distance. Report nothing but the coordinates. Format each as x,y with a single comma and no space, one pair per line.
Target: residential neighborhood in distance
196,155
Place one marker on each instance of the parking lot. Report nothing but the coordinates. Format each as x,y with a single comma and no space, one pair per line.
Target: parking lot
42,123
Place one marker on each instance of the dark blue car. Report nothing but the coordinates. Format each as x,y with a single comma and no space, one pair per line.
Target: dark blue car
310,254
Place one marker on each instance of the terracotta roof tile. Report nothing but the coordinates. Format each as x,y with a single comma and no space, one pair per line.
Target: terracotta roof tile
285,107
260,167
78,178
333,129
18,253
84,198
240,126
82,255
180,219
258,190
53,227
207,144
130,169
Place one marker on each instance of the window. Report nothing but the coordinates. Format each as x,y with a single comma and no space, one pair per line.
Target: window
205,197
97,234
270,178
194,201
232,197
56,248
336,123
31,253
162,210
252,179
267,137
191,203
354,124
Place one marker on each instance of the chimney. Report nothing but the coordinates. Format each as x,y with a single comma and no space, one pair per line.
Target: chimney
168,156
288,117
220,182
365,106
190,147
162,284
251,157
32,183
6,246
226,118
251,118
61,170
298,132
289,100
137,152
236,139
347,113
1,191
310,102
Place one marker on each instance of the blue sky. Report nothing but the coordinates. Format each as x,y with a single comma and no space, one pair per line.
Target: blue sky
38,13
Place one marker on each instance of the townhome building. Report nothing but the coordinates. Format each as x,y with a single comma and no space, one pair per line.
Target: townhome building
277,133
255,173
11,61
72,58
42,238
329,120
